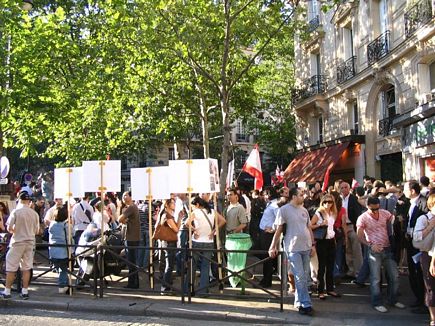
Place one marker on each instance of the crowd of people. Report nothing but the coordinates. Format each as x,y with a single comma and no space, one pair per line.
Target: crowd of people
328,236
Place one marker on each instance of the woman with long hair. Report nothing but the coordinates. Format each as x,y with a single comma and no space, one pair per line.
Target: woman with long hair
167,216
202,222
322,224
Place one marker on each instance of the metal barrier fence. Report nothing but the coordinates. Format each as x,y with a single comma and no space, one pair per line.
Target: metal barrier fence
98,283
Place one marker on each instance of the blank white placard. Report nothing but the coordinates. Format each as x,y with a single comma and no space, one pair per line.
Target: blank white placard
68,184
111,176
159,183
203,176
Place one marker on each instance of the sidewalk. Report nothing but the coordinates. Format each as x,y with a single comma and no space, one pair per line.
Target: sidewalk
352,309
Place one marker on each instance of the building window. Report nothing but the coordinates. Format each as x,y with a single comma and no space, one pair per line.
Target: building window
315,64
388,107
348,43
313,9
353,118
241,137
171,153
432,76
389,102
320,129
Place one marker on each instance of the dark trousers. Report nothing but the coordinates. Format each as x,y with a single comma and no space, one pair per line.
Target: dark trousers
133,277
415,272
269,265
326,254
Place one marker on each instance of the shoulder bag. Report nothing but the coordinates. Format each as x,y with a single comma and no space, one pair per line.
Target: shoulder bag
165,233
426,243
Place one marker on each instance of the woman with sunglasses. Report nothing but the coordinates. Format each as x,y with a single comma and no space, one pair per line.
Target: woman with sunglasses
322,225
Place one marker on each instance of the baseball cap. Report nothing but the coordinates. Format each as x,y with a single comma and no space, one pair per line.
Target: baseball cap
24,195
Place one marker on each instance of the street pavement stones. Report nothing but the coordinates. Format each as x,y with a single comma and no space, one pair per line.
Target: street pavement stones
352,309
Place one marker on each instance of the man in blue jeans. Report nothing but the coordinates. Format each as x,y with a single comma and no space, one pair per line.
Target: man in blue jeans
372,230
298,244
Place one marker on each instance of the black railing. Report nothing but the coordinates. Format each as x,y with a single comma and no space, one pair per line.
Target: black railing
417,16
346,70
311,86
378,48
313,24
386,126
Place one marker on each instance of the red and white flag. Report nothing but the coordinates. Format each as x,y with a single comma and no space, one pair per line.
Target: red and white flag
253,167
354,183
326,180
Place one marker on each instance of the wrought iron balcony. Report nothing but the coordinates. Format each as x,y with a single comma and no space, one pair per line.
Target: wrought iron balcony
418,15
313,24
346,70
378,48
386,125
311,86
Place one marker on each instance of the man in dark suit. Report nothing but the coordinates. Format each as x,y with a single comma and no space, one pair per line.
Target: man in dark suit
417,208
353,246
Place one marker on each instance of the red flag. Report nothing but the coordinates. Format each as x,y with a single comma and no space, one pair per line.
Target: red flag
326,180
253,167
354,183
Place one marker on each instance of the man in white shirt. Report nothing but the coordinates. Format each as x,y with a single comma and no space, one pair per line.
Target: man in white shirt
81,214
52,211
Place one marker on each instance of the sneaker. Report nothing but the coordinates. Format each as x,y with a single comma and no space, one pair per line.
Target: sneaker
5,296
381,309
24,296
399,305
63,290
306,311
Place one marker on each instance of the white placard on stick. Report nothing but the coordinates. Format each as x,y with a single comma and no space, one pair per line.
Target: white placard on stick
204,176
159,183
68,183
111,176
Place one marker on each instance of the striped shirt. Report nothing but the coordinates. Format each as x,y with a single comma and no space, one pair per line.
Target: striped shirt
375,230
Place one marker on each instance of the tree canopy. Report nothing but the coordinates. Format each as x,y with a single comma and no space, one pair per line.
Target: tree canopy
91,78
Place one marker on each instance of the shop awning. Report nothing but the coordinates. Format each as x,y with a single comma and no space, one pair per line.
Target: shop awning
311,166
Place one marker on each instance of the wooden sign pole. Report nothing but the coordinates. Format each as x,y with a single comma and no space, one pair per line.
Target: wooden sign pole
150,229
218,239
69,240
189,191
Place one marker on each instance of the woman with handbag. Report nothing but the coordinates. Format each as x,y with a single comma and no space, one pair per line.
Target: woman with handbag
423,237
202,222
166,231
322,224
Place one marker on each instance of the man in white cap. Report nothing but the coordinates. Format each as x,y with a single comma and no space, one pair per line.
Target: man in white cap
23,223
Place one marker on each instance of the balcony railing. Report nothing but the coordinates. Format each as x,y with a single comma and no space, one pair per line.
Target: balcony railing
378,48
313,24
311,86
346,70
417,16
386,126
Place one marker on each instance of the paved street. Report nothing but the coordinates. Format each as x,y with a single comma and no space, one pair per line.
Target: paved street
23,317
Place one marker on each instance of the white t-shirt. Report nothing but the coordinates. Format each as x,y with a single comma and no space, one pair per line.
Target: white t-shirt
202,227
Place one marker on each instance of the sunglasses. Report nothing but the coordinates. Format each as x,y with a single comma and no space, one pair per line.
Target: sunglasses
328,202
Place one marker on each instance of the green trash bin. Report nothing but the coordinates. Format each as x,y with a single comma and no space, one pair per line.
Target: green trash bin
237,261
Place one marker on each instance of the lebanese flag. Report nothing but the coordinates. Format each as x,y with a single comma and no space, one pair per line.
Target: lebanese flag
326,180
253,167
354,183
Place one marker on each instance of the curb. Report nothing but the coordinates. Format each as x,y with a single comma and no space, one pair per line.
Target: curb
149,309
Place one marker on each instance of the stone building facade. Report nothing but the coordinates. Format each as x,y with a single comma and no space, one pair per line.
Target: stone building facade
366,78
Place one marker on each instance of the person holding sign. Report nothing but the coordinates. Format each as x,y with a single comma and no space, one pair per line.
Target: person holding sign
130,218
